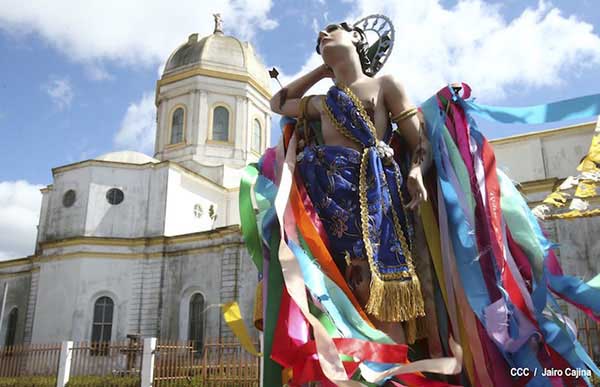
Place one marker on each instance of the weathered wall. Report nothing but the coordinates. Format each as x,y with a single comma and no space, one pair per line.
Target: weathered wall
554,153
68,289
205,266
185,190
19,283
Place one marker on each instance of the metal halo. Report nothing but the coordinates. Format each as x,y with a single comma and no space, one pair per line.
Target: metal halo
384,28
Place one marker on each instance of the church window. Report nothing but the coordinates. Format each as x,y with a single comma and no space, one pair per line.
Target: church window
198,211
256,136
114,196
69,198
196,328
102,325
177,121
220,125
11,329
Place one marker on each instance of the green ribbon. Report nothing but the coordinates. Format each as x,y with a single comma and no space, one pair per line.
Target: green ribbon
248,217
272,370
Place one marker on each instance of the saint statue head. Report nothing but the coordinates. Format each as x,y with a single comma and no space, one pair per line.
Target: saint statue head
342,41
336,41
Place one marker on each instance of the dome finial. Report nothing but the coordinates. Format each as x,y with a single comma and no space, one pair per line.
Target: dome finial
218,23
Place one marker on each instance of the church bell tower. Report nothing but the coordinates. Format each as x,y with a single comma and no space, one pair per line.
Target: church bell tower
213,114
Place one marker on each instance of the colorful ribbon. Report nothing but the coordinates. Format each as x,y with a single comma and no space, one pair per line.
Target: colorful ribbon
233,318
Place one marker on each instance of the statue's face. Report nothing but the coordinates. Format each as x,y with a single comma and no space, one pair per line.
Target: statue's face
335,37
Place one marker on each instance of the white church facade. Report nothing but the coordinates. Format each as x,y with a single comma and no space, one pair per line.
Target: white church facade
131,244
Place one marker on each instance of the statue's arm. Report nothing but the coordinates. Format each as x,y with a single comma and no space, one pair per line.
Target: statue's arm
287,100
411,128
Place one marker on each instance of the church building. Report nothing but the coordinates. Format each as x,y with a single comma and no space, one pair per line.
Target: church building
131,244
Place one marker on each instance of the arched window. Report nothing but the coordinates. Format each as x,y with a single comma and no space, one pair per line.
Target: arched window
177,126
220,124
256,136
11,328
102,325
196,329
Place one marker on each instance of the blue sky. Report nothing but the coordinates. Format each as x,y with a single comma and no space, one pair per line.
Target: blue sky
78,77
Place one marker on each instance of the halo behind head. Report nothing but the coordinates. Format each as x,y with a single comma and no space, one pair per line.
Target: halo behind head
380,50
372,56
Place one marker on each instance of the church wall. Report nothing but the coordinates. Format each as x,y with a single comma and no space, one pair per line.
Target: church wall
579,250
233,207
68,289
185,275
579,245
17,296
207,266
543,155
184,192
157,197
231,177
127,219
58,286
44,213
562,154
60,221
512,157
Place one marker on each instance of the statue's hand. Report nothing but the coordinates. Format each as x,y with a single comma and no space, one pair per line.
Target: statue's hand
416,188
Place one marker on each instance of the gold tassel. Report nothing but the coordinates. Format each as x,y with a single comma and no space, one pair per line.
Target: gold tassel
415,329
395,300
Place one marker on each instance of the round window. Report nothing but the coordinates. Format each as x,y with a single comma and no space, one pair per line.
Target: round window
114,196
69,198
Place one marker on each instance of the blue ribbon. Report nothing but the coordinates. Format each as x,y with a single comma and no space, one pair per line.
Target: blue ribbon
463,237
568,109
557,337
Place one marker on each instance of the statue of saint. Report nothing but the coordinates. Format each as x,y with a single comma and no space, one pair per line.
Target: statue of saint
218,23
349,225
351,175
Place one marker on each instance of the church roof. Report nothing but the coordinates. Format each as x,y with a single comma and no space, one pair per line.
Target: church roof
217,52
130,157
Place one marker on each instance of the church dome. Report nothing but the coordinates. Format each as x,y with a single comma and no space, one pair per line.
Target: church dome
130,157
217,52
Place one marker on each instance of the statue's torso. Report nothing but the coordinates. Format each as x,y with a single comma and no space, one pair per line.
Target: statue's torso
370,93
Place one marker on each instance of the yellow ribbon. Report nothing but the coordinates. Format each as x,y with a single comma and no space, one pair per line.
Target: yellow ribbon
233,318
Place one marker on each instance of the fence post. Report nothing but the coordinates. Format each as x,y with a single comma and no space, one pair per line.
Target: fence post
64,363
148,362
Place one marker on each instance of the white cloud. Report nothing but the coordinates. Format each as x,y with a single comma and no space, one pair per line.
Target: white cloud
60,92
97,72
316,27
129,32
20,204
138,127
475,43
